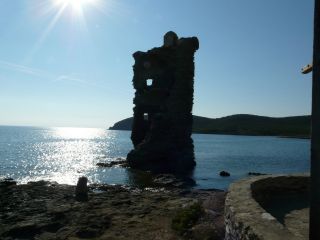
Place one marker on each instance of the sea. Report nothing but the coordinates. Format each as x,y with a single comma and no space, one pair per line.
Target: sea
64,154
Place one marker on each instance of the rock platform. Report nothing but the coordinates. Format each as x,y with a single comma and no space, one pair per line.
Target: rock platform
47,210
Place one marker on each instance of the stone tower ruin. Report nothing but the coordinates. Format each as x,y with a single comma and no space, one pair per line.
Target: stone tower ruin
162,123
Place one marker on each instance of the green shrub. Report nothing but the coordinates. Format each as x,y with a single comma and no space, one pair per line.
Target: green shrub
185,218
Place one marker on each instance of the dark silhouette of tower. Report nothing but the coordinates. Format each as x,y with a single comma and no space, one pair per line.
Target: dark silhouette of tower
162,124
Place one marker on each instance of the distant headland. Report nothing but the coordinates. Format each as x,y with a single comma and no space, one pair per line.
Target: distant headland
243,124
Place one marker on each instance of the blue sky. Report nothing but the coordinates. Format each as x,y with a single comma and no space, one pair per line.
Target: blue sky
66,67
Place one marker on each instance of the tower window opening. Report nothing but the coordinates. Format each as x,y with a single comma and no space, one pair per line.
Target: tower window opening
149,82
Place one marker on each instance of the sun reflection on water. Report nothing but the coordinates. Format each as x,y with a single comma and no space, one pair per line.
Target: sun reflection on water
68,153
79,133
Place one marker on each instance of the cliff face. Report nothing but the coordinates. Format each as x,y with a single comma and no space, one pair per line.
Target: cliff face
162,119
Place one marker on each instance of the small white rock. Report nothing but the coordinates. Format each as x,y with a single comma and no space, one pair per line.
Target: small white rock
267,216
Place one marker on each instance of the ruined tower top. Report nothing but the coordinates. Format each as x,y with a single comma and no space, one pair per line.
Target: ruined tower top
170,39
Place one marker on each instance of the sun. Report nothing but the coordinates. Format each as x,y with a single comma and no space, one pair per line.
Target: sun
77,6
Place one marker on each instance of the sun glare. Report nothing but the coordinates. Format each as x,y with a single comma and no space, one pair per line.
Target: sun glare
76,5
73,11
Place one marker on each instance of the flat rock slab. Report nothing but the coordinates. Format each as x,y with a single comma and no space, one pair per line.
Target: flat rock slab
44,210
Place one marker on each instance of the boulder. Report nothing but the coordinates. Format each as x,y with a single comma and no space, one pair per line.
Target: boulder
224,174
82,189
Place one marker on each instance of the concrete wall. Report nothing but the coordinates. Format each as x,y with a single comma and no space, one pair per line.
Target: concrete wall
246,219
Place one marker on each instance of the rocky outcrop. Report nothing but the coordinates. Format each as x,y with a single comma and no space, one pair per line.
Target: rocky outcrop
48,211
162,123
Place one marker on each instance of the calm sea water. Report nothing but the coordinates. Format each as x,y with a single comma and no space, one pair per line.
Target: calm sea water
64,154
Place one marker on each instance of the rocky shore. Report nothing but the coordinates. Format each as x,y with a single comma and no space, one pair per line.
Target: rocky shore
47,210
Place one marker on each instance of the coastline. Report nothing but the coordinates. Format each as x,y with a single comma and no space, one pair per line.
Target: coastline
237,134
297,137
47,210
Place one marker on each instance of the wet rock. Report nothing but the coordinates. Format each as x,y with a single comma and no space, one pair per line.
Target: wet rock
255,174
224,174
39,183
170,180
119,162
82,189
6,182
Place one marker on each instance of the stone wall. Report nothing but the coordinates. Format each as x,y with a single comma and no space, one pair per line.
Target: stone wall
162,124
245,215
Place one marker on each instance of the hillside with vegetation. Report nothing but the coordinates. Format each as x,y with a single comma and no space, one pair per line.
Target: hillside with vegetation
243,124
